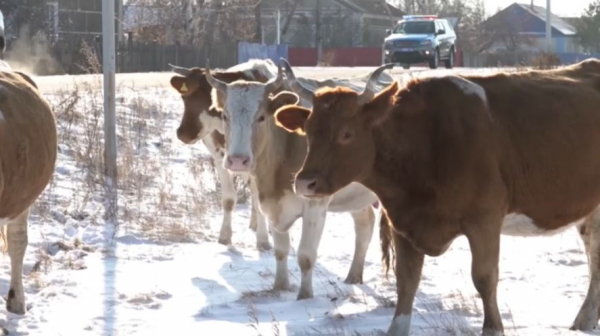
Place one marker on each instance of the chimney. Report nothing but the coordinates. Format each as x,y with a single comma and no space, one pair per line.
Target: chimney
531,4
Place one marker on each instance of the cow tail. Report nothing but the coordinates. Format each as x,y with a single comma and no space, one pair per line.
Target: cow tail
387,245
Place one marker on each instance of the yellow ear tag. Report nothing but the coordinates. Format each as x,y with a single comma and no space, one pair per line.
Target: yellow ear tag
183,88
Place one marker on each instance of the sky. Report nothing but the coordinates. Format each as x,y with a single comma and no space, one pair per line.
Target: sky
559,7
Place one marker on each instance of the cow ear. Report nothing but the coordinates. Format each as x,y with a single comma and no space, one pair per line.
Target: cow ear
377,110
183,85
283,98
292,118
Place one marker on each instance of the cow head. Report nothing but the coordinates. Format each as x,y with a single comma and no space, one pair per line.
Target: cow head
247,109
198,119
339,130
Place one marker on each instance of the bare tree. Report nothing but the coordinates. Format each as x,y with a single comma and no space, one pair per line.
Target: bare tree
197,22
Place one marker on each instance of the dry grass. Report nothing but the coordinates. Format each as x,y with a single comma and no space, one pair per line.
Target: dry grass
253,316
545,61
450,315
151,202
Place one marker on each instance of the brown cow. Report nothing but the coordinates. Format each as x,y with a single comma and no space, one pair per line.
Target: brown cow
27,161
475,156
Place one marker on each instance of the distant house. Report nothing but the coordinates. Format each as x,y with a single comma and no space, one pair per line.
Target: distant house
522,27
343,22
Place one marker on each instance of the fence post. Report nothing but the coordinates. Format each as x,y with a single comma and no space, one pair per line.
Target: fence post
130,52
176,52
154,55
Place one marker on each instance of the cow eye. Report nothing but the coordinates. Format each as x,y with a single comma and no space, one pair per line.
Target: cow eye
224,117
261,118
345,136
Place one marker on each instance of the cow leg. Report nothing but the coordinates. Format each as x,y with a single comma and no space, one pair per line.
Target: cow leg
262,235
253,219
313,223
587,318
281,240
364,222
228,200
485,250
409,265
17,244
253,208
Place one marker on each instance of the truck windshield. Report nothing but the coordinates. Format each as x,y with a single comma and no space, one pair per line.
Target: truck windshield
415,27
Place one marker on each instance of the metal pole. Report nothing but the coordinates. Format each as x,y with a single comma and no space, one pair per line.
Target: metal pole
110,139
278,26
120,21
318,41
548,27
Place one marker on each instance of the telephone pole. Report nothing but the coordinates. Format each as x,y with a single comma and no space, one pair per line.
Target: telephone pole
548,27
110,135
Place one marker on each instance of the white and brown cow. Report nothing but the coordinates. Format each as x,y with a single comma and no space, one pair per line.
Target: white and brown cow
514,154
272,156
200,122
27,162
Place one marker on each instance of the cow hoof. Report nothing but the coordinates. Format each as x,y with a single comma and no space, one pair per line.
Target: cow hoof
584,325
283,285
304,294
490,332
354,280
224,241
264,246
15,306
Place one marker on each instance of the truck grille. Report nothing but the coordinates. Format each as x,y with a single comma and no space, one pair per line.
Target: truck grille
406,44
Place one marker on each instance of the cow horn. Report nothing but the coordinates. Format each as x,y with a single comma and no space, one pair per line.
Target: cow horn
180,70
276,82
215,83
295,85
369,91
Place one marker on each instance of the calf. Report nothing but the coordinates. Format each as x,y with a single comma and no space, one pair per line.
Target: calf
272,157
476,156
27,161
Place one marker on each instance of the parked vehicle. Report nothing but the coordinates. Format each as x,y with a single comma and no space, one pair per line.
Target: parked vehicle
421,38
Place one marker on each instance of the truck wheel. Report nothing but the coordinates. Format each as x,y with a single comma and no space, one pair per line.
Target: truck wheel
433,64
450,61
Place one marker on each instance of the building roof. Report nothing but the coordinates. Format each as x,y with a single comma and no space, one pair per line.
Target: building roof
518,16
373,7
556,22
376,7
573,21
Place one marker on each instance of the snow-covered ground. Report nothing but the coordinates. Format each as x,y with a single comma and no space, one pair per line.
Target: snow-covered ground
167,275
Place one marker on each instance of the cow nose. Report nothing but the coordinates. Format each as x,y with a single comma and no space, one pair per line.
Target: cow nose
185,136
306,186
239,163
